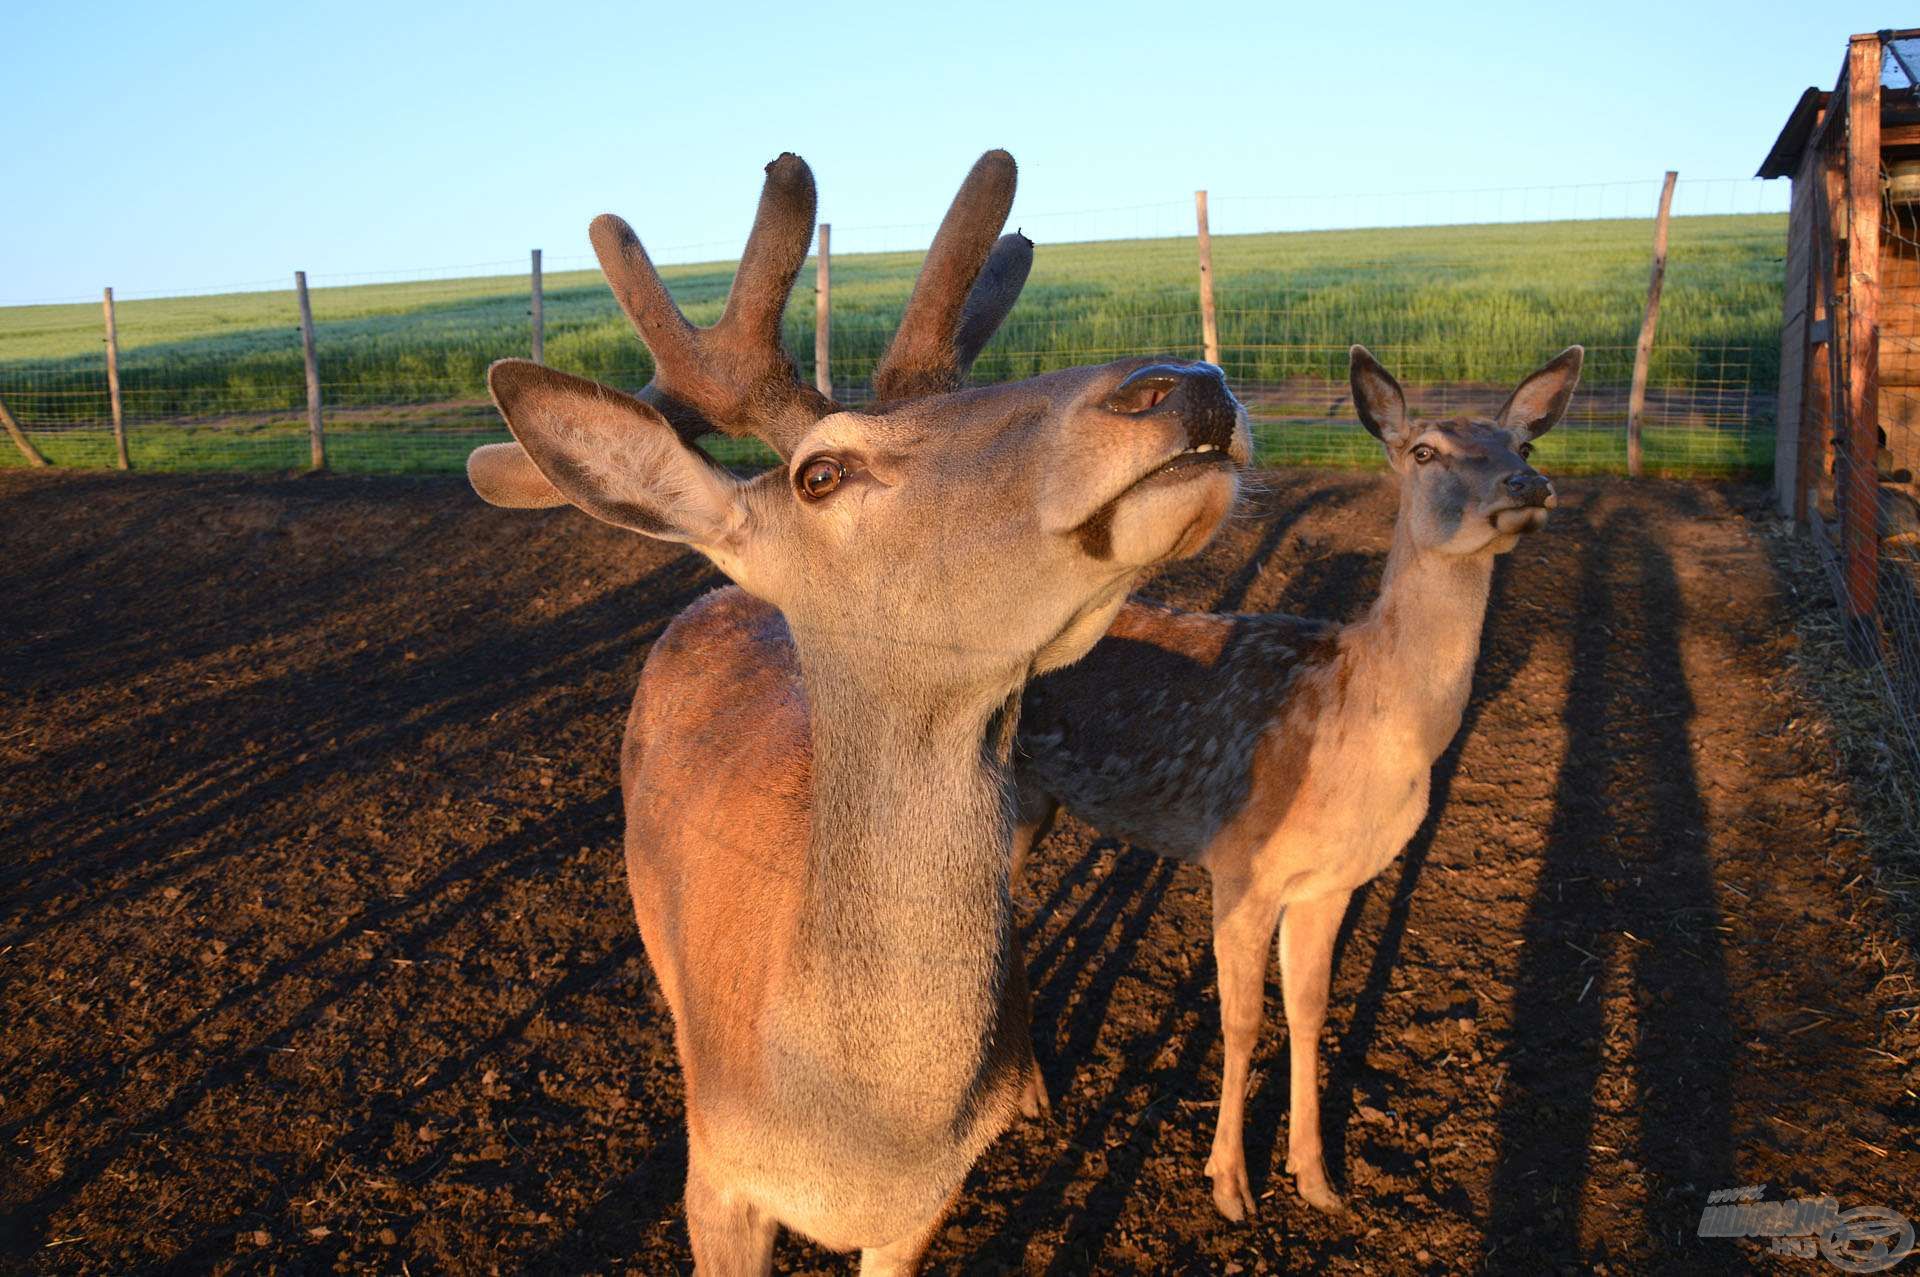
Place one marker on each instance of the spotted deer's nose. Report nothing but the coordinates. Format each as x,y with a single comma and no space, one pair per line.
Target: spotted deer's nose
1194,394
1529,487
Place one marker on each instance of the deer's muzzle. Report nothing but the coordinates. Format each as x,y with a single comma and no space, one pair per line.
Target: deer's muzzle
1194,394
1530,488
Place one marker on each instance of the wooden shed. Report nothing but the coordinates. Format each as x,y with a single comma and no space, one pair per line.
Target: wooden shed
1849,417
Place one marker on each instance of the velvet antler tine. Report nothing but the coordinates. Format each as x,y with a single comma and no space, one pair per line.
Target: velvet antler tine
922,358
993,296
642,294
776,250
737,376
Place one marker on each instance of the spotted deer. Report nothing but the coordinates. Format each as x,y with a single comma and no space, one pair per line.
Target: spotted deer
817,767
1288,756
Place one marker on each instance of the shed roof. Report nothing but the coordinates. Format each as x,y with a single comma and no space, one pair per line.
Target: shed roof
1784,158
1900,92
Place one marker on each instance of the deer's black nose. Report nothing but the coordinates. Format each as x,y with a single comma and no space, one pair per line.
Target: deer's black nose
1196,394
1529,487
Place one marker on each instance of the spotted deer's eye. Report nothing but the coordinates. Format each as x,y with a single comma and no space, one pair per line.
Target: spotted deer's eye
1423,454
820,476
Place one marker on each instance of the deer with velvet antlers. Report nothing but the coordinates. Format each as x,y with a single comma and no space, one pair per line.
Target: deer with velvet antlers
1291,757
817,766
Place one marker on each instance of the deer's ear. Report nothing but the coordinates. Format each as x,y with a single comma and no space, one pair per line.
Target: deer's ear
1377,397
612,456
504,475
1541,400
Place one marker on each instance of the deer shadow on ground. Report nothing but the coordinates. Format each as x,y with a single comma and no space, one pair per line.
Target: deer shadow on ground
1623,916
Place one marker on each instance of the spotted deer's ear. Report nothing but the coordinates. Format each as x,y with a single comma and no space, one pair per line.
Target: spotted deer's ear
1377,397
1541,400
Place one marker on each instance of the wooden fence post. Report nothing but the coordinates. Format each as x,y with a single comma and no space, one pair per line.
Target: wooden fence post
316,433
539,313
1858,486
822,322
113,385
1815,422
1209,325
1643,349
19,437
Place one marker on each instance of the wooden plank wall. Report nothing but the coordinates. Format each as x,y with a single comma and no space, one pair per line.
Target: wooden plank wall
1793,340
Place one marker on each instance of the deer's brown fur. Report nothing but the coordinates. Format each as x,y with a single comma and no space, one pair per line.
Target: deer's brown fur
1290,756
817,765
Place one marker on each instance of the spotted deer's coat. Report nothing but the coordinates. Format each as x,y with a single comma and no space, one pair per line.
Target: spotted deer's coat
1289,756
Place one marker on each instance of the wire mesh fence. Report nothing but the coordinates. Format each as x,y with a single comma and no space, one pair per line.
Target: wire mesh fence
1855,249
1461,293
1895,495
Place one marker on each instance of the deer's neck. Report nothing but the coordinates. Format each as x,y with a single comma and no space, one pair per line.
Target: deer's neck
906,916
1421,638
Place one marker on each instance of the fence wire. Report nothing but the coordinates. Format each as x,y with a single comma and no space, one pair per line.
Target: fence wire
1460,304
1888,489
1862,501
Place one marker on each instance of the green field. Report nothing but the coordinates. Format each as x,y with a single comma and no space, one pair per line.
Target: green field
217,382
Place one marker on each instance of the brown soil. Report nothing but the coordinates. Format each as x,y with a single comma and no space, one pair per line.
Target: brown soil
315,950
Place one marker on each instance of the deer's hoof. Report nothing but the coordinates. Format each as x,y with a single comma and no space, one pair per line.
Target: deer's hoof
1311,1184
1232,1194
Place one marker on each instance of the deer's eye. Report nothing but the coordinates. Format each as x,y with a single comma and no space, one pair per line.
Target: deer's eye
820,476
1526,450
1423,454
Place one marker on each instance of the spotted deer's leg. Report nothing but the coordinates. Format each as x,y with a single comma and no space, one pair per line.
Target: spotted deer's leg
1037,812
1243,918
1035,1103
1307,933
731,1236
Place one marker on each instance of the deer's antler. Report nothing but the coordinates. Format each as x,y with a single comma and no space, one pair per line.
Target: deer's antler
737,376
966,286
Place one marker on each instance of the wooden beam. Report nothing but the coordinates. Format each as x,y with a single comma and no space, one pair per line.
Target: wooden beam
316,432
1859,486
822,314
1835,115
1643,349
1209,321
113,385
1795,349
539,313
1815,422
1834,280
19,437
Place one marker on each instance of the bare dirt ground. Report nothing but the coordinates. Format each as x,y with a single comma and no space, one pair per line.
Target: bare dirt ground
315,952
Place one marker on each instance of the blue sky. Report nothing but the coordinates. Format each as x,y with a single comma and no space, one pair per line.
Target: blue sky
166,147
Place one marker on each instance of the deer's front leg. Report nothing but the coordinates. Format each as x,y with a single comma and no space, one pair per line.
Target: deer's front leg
731,1236
1307,933
1243,921
904,1257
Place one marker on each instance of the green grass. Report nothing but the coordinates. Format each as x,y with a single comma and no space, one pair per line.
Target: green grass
281,444
217,381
